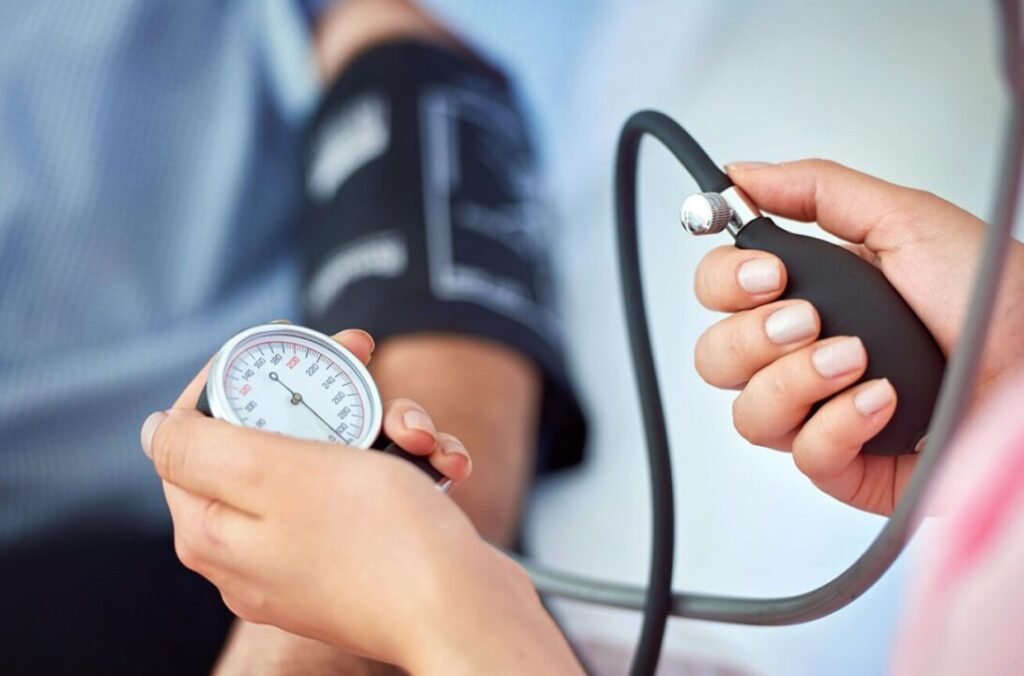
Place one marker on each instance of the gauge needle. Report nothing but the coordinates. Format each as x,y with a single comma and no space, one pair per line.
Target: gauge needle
297,399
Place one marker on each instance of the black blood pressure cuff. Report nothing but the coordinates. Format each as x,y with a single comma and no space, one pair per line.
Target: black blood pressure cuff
423,215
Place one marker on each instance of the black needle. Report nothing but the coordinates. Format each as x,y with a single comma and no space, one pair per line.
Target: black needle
298,399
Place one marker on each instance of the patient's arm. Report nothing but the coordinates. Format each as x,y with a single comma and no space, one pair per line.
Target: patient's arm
485,393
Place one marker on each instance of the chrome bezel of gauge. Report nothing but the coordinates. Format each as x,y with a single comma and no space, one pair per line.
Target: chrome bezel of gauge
216,394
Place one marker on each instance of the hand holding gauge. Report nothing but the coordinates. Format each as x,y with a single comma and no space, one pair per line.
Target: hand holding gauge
261,515
298,382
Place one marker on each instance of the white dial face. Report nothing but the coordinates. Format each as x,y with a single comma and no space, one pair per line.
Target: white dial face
297,382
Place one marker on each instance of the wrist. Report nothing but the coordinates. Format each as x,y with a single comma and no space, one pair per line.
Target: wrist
488,618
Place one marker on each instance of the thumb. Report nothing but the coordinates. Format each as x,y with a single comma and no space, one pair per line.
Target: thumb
847,203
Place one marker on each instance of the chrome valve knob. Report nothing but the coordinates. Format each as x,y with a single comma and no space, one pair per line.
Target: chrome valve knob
705,213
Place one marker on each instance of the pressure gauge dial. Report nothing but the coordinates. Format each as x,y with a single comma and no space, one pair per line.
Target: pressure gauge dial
301,383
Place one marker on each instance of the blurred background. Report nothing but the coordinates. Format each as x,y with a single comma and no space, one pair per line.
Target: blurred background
907,90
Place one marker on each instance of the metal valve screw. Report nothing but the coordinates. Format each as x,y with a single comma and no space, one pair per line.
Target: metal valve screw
705,213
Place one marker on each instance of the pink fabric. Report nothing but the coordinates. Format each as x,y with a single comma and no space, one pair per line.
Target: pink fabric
966,609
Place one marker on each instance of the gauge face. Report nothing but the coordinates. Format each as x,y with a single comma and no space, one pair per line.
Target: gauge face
295,381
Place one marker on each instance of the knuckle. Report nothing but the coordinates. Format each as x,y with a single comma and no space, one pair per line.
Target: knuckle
815,443
213,523
185,552
722,354
709,277
703,359
236,608
914,211
743,422
703,289
737,343
803,459
829,428
700,283
918,195
239,608
255,601
803,449
752,416
822,164
779,386
247,601
172,447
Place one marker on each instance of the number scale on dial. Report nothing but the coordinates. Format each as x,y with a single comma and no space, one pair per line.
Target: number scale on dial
289,385
298,382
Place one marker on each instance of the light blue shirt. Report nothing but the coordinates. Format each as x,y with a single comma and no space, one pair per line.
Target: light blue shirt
148,180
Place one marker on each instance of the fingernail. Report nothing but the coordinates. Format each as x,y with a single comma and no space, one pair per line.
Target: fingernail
790,324
453,447
149,429
418,420
280,321
874,397
760,275
364,334
839,357
744,166
373,343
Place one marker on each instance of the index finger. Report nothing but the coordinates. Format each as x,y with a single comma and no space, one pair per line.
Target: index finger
845,202
730,279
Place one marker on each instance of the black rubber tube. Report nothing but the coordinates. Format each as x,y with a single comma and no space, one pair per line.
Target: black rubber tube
658,603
